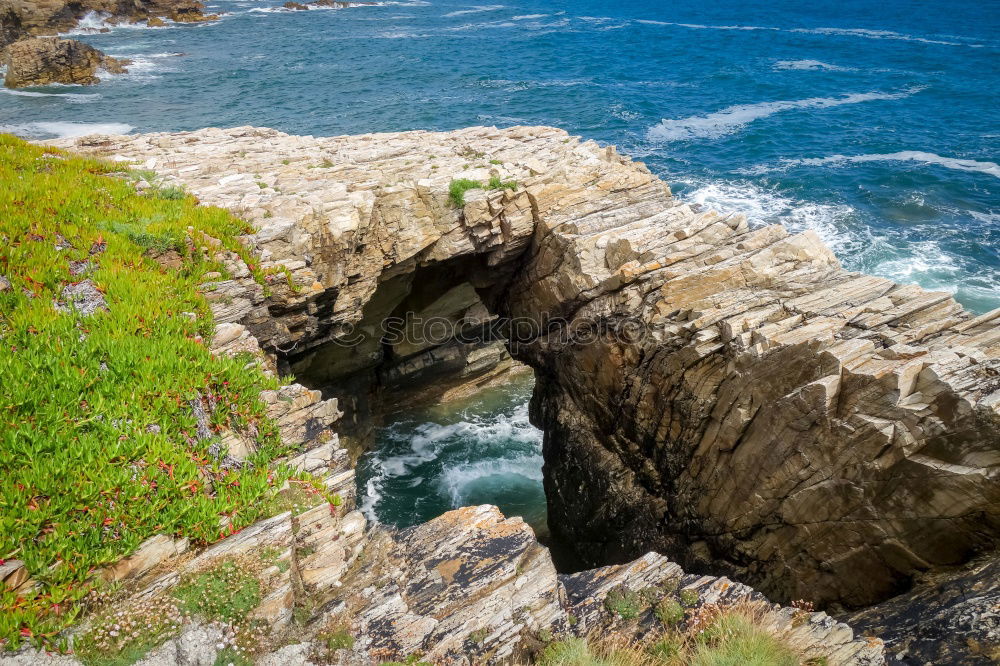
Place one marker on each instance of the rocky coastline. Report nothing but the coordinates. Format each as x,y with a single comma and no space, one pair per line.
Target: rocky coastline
727,396
33,58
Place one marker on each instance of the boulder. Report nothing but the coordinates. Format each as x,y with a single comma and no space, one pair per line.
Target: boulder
44,60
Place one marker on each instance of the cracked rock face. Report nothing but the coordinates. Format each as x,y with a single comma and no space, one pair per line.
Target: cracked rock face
45,60
726,395
742,401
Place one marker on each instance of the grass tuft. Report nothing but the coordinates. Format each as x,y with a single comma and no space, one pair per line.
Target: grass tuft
458,188
724,636
225,592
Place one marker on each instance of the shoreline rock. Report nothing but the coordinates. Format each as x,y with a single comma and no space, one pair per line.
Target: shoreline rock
43,60
23,19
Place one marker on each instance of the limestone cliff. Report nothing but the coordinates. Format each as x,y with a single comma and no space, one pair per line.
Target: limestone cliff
726,395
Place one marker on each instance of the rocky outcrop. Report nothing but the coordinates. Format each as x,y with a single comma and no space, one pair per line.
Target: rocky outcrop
469,587
949,617
726,395
20,19
45,60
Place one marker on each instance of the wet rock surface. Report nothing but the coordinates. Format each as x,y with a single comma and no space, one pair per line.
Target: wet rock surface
22,19
45,60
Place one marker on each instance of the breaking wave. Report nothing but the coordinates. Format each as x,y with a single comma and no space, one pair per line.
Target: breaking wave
733,118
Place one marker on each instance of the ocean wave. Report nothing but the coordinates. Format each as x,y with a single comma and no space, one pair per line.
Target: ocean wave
990,168
905,255
733,118
476,9
518,86
507,445
525,17
64,129
457,481
486,25
73,98
98,21
835,224
876,34
843,32
699,26
809,65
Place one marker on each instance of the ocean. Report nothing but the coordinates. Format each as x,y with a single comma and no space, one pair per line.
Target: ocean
873,123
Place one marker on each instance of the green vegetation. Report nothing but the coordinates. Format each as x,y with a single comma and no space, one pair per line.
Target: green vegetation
339,640
689,597
623,602
231,657
224,592
458,188
734,636
119,637
669,612
497,184
412,660
735,639
98,441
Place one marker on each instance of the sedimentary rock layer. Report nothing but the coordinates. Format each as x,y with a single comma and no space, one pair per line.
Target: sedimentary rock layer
723,393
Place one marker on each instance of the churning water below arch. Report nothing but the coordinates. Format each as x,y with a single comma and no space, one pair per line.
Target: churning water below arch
478,450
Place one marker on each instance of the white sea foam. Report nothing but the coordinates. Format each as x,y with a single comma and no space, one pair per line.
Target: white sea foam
733,118
845,32
476,9
808,65
73,98
457,480
67,129
524,17
831,222
699,26
510,433
876,34
990,168
97,21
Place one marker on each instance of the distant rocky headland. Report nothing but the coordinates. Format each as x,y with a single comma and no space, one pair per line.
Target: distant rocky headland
726,396
34,57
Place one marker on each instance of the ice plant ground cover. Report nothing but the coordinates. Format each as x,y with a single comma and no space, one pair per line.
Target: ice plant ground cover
98,443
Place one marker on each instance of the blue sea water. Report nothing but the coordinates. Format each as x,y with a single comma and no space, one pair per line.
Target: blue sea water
874,123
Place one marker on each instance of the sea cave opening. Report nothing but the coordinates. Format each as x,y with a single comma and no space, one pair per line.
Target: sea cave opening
435,409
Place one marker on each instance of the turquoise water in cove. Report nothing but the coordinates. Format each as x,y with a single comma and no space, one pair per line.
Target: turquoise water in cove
480,450
873,123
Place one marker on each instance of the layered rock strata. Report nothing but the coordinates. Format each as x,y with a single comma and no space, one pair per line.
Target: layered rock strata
45,60
469,587
722,393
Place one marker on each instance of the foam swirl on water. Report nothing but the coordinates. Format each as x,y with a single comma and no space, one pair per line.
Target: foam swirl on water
733,118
